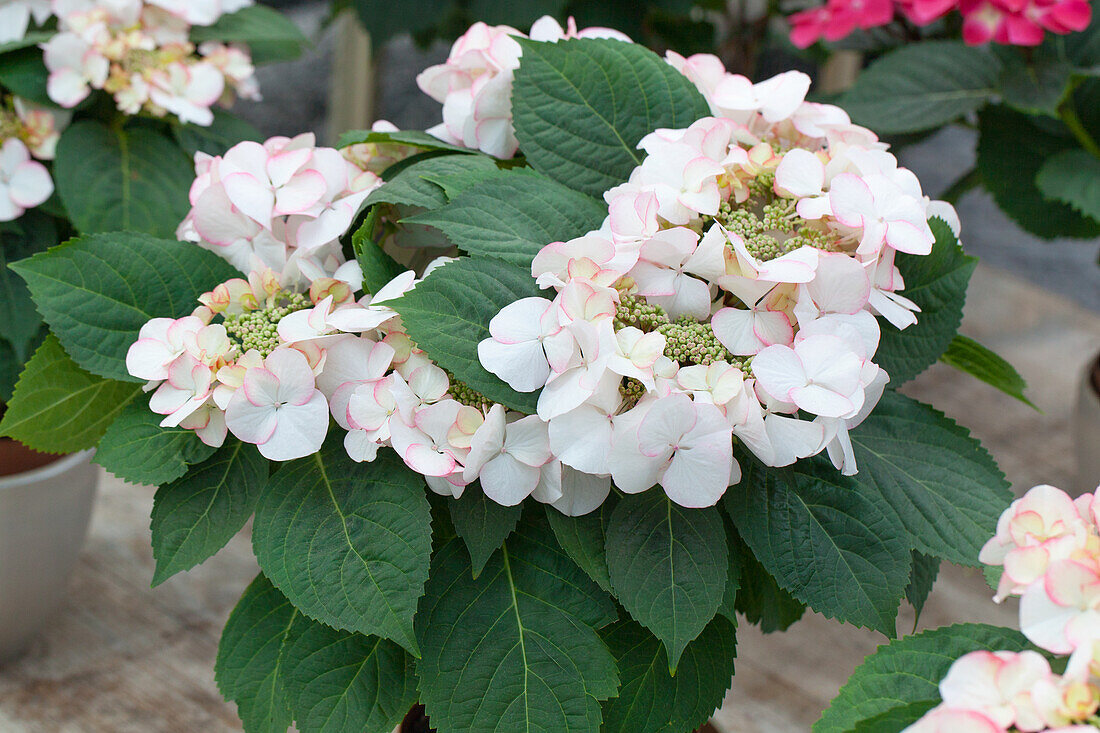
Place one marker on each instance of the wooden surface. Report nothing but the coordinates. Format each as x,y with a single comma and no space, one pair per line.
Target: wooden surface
120,657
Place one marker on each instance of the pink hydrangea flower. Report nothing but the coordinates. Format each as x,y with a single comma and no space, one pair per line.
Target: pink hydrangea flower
1042,527
998,685
683,445
279,408
837,19
507,457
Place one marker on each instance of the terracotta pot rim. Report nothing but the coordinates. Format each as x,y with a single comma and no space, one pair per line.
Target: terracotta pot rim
48,471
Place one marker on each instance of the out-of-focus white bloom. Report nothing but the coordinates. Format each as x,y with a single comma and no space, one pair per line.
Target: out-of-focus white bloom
140,53
16,15
24,183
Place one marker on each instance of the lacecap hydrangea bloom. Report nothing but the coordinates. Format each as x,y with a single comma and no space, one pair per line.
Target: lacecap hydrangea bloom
139,52
270,358
733,291
1049,547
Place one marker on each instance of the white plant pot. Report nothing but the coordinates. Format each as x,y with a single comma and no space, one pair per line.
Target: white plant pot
44,516
1086,432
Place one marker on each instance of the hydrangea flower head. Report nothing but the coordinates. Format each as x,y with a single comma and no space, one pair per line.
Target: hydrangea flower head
731,291
140,53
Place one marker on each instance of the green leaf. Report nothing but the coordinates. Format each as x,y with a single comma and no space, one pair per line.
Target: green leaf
197,514
1072,177
270,35
1035,85
31,38
411,185
226,131
1009,172
447,314
11,364
23,73
97,292
60,408
411,138
348,547
907,673
937,283
728,607
378,267
515,648
824,541
924,85
931,476
668,566
922,577
582,538
250,666
897,718
581,106
122,178
137,449
514,214
482,524
19,321
340,682
967,355
759,597
1083,49
273,660
651,700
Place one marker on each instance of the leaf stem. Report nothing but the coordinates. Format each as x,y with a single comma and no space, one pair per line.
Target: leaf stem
1067,111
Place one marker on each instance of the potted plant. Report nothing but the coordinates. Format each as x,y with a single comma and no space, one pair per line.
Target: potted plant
976,678
106,103
644,380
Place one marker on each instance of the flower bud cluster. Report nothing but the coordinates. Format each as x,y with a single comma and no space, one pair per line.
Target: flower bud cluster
733,291
27,136
1049,547
139,51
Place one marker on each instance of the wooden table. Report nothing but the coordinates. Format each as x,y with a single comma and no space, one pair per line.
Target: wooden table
120,657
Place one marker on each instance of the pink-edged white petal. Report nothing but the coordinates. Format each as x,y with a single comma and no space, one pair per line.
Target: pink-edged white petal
299,432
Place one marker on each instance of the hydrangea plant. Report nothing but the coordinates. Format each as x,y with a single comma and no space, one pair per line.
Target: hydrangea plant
527,411
1043,678
102,106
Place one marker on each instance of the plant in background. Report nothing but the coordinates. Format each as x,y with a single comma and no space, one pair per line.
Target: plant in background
1035,82
107,103
1046,552
740,32
707,281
